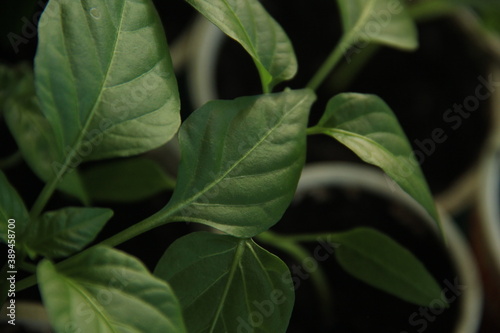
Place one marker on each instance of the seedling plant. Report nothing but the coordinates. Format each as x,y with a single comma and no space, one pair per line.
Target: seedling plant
103,87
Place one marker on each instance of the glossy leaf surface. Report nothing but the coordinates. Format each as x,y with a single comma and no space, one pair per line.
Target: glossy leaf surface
107,291
379,261
222,280
34,135
379,21
250,24
367,126
241,161
104,78
66,231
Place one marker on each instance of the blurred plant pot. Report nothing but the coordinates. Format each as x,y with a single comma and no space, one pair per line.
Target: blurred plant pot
333,197
29,317
485,237
432,91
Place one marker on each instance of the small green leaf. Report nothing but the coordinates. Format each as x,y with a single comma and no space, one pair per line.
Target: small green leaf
377,260
378,21
225,284
126,180
66,231
241,161
261,36
367,126
104,78
35,137
11,207
107,291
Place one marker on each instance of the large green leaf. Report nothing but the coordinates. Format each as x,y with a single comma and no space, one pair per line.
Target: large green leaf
380,262
107,291
11,207
126,180
367,126
225,284
34,135
66,231
378,21
104,78
241,161
250,24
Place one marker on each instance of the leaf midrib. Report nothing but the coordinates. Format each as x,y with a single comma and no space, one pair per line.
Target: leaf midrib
394,272
170,212
93,111
240,249
363,17
240,24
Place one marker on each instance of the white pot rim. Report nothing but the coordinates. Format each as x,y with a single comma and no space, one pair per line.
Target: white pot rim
489,210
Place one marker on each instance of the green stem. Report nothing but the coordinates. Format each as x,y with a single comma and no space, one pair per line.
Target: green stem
30,268
348,71
26,283
421,11
137,229
314,130
11,161
304,238
145,225
426,10
299,254
50,187
330,62
43,198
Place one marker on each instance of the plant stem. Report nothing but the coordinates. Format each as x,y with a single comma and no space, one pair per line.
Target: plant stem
141,227
330,62
49,188
299,254
348,71
421,11
27,267
26,283
425,10
305,238
43,198
11,161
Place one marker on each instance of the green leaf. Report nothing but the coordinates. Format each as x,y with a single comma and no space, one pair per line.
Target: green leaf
378,21
35,137
367,126
11,207
241,161
377,260
104,78
107,291
225,284
66,231
261,36
126,180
